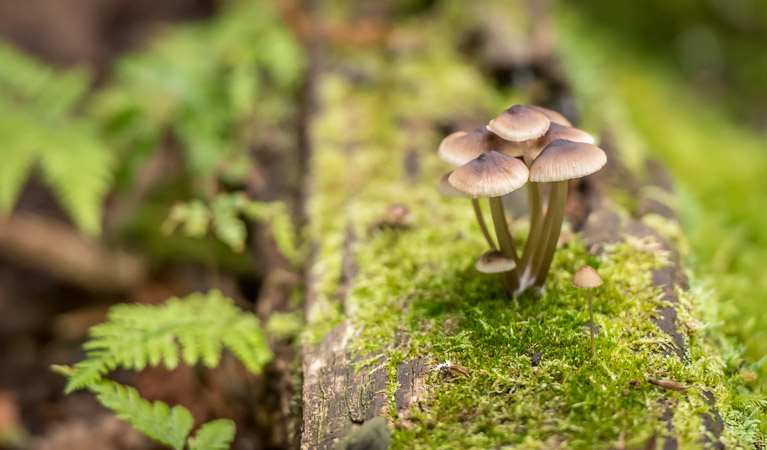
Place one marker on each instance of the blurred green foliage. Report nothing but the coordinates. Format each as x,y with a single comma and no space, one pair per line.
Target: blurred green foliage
717,45
224,219
41,125
213,89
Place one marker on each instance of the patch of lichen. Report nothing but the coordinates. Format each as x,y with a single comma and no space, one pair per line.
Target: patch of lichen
419,282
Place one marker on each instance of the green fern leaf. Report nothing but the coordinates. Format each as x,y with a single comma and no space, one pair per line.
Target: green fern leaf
214,435
39,126
195,328
170,426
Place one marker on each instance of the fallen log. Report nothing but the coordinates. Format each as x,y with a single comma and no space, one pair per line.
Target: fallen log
402,327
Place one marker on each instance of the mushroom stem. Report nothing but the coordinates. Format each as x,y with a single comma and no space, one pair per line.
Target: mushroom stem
482,225
536,214
591,317
505,242
552,225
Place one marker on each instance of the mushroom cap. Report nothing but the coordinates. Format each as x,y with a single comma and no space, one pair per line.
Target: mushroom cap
586,278
554,117
445,188
519,123
494,262
461,147
564,160
491,174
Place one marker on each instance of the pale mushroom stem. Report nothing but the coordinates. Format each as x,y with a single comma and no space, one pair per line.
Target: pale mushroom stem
591,317
482,225
536,215
505,242
552,225
533,239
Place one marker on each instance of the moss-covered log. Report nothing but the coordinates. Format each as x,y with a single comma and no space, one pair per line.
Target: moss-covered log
401,325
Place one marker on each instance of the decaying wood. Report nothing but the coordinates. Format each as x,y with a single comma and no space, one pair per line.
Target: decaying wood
337,398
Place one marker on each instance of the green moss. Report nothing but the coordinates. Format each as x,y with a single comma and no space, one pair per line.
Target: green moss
420,282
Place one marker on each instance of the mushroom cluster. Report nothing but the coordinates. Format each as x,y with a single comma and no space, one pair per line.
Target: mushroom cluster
525,145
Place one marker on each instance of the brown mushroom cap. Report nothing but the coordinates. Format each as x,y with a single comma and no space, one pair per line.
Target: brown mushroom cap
494,262
491,174
461,147
553,116
564,160
519,123
586,278
445,188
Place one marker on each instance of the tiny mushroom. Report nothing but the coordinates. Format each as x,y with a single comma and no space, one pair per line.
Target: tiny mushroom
560,161
492,175
461,147
525,124
493,261
588,278
556,131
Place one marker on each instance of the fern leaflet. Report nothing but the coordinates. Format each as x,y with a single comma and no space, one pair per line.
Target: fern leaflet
157,420
214,435
195,328
39,126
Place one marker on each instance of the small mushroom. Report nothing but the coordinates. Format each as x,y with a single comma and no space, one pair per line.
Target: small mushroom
556,131
492,175
560,161
493,261
520,123
444,188
461,147
524,124
588,278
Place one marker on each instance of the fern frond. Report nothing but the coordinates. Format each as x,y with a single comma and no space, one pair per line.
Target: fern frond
170,426
38,125
194,328
214,435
